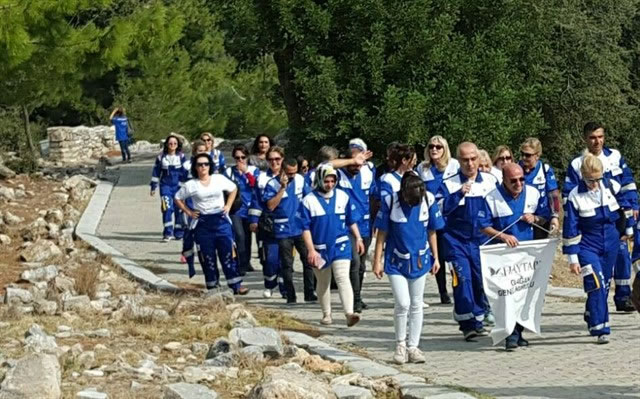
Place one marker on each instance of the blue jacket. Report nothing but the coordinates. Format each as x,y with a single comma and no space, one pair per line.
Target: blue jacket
407,251
168,171
360,188
389,183
544,180
257,204
590,220
218,161
328,223
121,123
246,183
286,216
433,177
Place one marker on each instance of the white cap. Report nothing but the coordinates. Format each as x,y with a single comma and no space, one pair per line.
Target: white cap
358,143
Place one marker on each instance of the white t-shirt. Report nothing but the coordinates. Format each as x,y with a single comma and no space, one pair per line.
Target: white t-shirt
208,200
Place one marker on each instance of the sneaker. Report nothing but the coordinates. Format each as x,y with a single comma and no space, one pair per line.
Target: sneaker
625,306
416,355
489,319
352,319
510,345
167,238
326,320
241,291
400,357
523,342
603,339
445,299
482,332
310,298
292,301
469,335
364,305
425,304
267,293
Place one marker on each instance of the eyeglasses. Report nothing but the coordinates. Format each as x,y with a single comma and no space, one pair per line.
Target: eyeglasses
206,140
528,154
506,158
277,159
436,146
172,143
240,157
593,180
518,180
202,164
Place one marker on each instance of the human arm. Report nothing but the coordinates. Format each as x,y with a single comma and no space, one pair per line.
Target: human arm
155,174
433,244
275,191
359,159
359,241
230,199
571,235
508,239
377,269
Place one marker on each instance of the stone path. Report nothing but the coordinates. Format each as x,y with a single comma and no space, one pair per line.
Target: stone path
565,363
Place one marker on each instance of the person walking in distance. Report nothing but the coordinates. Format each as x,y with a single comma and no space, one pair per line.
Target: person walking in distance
121,123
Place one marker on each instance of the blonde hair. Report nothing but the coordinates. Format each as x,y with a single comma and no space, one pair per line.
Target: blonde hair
591,165
499,150
197,143
534,144
483,156
446,155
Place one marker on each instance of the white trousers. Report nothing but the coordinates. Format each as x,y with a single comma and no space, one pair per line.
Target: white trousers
340,269
408,296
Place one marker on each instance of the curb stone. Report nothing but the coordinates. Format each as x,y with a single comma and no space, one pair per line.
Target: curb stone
411,387
86,231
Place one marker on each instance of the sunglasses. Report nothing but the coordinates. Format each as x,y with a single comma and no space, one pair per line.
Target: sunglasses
514,181
593,181
205,140
436,146
277,159
172,143
202,164
240,157
527,154
507,158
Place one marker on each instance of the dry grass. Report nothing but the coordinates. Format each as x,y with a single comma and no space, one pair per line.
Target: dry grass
281,321
86,279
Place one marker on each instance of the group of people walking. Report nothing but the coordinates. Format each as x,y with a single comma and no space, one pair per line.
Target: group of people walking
430,217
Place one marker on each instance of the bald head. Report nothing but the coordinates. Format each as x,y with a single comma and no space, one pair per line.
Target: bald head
511,170
467,154
513,178
466,146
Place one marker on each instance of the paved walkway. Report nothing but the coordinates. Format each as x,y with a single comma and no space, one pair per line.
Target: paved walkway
565,363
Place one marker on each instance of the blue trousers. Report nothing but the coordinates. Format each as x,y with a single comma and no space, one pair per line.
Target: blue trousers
213,236
124,149
597,286
622,274
171,212
470,304
270,261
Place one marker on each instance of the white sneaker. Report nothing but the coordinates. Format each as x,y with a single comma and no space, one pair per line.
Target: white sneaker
425,304
416,355
400,357
326,320
167,238
267,293
603,339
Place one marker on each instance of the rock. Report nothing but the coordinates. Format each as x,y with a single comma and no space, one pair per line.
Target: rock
290,381
17,295
62,197
371,369
134,311
172,346
5,172
351,392
243,318
53,231
99,333
54,216
254,353
93,373
79,181
135,385
317,364
7,193
77,349
199,348
100,347
39,341
76,303
183,390
86,359
213,299
64,284
11,219
42,306
266,338
219,347
223,360
5,239
20,193
40,251
36,375
193,374
46,274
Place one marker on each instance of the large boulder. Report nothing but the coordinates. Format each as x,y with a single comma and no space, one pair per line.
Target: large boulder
5,172
39,341
39,251
36,375
290,381
266,338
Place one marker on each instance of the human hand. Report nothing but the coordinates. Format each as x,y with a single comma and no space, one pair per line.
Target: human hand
377,269
153,192
575,268
529,218
360,246
508,239
435,268
466,187
253,227
362,157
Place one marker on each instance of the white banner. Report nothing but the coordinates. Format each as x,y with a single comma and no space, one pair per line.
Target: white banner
515,282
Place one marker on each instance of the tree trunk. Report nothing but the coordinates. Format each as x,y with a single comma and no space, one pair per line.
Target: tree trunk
283,60
27,129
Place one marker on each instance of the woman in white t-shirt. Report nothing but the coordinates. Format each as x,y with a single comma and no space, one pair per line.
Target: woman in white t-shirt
212,231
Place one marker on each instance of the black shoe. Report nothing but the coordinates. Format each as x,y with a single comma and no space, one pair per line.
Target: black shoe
482,332
469,335
364,305
249,269
445,299
242,273
291,300
523,342
625,306
357,307
510,345
310,298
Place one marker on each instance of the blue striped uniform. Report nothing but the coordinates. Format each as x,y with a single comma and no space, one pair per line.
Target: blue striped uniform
168,173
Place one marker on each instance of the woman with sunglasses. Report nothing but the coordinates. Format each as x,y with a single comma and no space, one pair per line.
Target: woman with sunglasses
168,172
591,240
407,224
303,165
437,166
197,147
540,175
245,176
213,233
501,156
215,154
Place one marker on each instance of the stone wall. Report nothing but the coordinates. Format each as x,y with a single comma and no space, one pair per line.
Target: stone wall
80,143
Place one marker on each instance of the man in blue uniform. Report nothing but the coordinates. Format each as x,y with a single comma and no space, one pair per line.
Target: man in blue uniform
282,196
615,168
463,197
510,213
121,124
